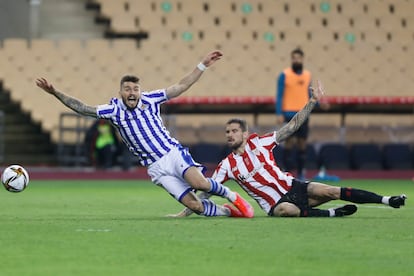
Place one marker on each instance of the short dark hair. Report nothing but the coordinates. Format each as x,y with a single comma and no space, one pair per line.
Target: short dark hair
241,122
297,51
129,78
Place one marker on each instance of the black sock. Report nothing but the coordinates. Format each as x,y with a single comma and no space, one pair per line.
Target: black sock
359,196
312,212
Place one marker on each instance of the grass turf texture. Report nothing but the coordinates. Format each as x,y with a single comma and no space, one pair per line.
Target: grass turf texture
119,228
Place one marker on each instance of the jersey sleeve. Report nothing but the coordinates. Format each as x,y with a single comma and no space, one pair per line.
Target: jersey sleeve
106,111
156,96
268,140
221,173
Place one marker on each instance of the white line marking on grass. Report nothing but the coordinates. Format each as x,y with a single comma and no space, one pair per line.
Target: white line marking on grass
367,206
92,230
375,207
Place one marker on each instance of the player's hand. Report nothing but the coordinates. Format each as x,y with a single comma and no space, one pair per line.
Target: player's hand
318,92
184,213
45,85
212,57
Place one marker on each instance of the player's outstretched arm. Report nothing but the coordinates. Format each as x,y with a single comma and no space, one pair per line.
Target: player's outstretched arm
184,213
302,115
177,89
69,101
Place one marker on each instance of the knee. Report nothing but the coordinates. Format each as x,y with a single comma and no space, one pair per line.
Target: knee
197,180
333,192
286,210
323,191
201,184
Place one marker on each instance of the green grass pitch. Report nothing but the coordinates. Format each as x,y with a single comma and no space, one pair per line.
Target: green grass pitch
120,228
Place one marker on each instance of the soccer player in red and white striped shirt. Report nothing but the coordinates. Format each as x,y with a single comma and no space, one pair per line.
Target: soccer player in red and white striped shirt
251,164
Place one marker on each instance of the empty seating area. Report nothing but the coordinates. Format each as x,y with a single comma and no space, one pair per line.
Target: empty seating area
351,45
357,48
332,156
361,156
88,70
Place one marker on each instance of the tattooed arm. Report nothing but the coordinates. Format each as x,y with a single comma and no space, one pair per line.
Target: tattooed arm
300,117
70,102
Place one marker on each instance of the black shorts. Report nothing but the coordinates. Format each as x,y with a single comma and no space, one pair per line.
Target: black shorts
297,195
303,130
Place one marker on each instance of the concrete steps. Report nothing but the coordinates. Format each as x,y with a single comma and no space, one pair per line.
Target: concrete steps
68,19
24,142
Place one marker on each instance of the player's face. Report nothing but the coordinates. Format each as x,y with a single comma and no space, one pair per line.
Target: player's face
297,62
297,58
235,136
130,94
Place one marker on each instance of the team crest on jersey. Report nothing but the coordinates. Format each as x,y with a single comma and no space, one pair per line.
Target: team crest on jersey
241,177
142,106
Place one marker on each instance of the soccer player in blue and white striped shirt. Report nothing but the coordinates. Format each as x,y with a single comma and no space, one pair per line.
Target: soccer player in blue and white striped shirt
136,115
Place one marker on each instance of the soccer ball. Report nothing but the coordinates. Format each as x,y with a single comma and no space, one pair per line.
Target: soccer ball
15,178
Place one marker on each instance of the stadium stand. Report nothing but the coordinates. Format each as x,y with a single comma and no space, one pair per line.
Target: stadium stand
366,157
357,48
397,156
334,156
207,153
312,162
21,139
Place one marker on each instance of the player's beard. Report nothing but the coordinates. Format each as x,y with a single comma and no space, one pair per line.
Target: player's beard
235,146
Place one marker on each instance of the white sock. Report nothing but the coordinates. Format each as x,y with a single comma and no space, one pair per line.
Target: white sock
212,210
386,200
231,195
331,212
223,211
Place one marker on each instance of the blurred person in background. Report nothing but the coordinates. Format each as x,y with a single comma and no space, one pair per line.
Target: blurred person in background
293,92
102,145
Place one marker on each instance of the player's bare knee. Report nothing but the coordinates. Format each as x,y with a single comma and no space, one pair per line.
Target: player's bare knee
196,179
286,209
323,191
333,192
202,184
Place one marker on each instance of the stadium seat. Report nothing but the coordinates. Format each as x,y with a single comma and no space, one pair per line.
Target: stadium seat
397,156
311,157
334,156
366,156
207,153
126,24
325,128
112,9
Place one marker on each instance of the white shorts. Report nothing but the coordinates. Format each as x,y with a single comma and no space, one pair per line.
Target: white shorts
168,172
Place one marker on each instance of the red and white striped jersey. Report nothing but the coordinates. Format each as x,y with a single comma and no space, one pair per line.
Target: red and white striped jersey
256,171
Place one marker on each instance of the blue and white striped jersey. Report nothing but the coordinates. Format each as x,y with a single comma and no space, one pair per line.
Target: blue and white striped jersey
142,128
